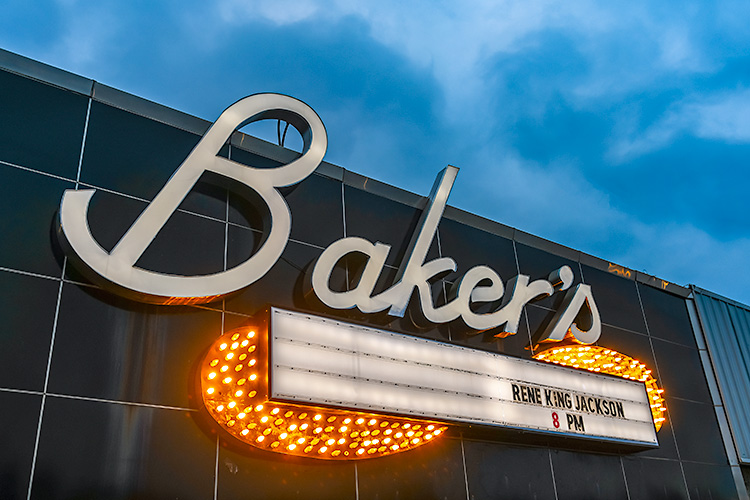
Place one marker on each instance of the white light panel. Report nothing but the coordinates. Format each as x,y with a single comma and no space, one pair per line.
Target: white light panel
329,362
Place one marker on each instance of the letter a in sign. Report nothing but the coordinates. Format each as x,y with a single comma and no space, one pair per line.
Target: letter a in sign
117,268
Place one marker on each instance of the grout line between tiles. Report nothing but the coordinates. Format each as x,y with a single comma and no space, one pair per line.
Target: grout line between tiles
46,382
658,372
463,462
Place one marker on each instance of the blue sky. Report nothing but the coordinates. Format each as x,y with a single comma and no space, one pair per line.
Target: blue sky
620,129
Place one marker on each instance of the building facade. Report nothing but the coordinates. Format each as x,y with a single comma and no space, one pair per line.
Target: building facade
98,393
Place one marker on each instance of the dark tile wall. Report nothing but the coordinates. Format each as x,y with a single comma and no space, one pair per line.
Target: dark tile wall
94,398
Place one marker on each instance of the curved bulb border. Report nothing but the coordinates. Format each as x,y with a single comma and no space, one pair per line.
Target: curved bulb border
234,388
603,360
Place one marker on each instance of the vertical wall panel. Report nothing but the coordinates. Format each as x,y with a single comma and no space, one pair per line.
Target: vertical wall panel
726,325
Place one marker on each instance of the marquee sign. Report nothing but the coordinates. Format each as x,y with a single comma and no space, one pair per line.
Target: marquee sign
319,361
308,386
349,372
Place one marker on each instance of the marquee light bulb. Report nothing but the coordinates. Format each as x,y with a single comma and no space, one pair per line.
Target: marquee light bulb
240,405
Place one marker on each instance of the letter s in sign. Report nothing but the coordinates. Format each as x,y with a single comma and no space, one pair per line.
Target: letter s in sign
117,268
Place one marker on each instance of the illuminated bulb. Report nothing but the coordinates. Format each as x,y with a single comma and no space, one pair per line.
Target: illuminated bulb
251,335
430,427
222,346
335,434
399,435
360,451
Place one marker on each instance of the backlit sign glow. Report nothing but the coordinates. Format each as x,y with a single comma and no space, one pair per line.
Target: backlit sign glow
320,361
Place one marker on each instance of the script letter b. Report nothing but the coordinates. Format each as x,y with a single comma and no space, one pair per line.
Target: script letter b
117,269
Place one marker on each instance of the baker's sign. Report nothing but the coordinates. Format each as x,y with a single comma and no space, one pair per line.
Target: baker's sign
116,270
309,386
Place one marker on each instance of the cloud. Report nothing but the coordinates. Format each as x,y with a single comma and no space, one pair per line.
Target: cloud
559,204
724,116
